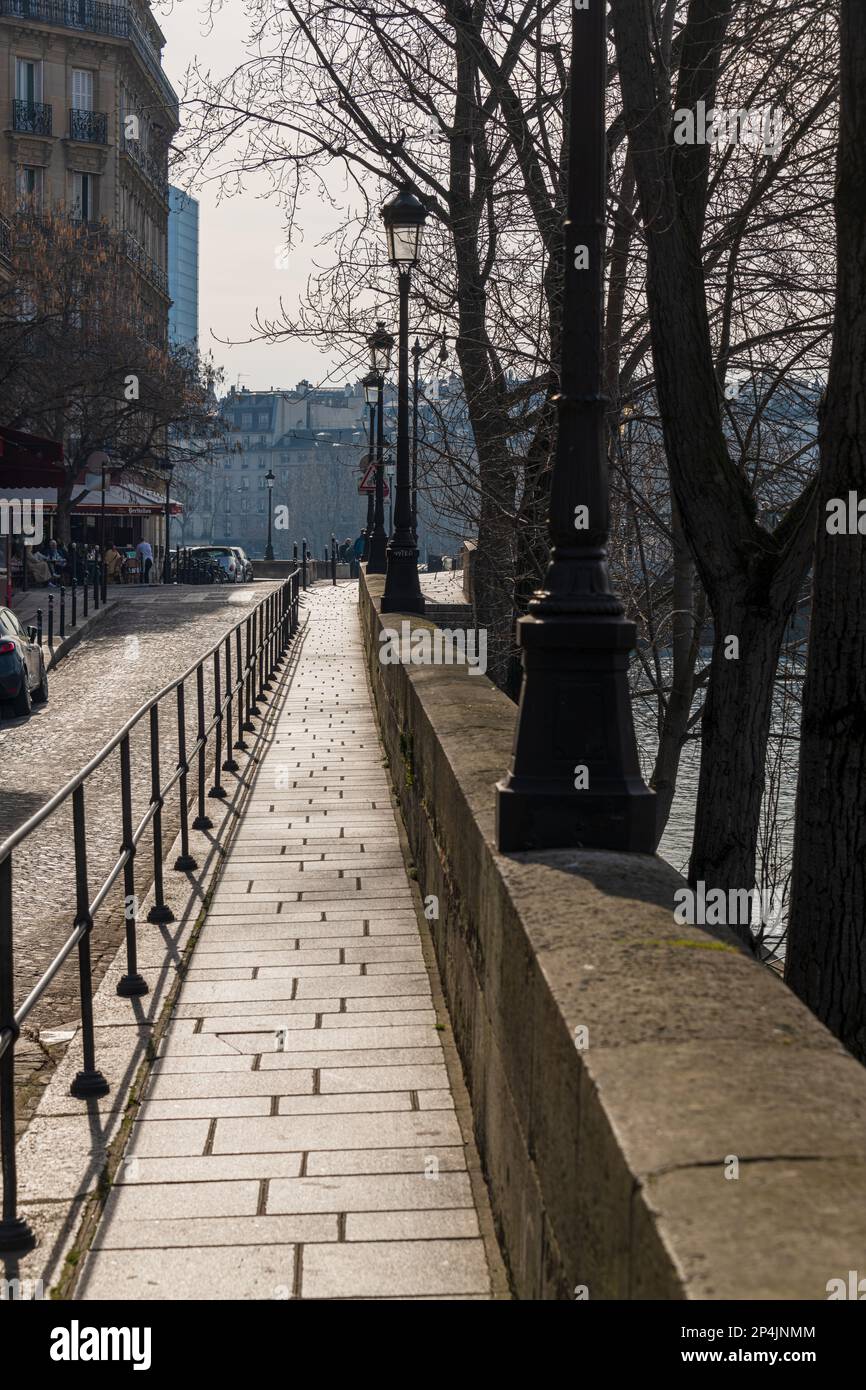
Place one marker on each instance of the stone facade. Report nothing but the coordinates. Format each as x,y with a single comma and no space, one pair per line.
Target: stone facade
88,116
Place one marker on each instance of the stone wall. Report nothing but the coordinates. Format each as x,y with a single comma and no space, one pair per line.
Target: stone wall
658,1116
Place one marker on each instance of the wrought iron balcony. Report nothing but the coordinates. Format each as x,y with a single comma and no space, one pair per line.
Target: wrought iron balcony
152,170
31,117
117,20
145,263
5,243
88,126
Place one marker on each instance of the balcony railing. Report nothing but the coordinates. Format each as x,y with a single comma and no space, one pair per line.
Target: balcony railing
149,167
31,117
90,127
117,20
145,263
5,243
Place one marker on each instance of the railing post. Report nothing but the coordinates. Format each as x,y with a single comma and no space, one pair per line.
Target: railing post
230,764
85,590
104,570
89,1082
304,562
51,621
202,820
184,860
269,640
249,726
62,612
333,559
96,586
239,673
217,790
74,600
15,1234
260,651
160,912
39,626
131,984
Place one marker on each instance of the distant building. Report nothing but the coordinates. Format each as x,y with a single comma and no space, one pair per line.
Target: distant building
183,268
312,440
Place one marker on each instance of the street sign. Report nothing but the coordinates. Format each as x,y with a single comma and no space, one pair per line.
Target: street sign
368,482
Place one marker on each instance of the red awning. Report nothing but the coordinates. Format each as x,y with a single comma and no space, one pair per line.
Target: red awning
27,461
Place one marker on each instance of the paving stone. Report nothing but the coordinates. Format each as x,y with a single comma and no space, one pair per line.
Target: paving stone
179,1200
335,1079
224,1230
208,1168
291,1132
201,1272
394,1269
430,1158
379,1192
412,1225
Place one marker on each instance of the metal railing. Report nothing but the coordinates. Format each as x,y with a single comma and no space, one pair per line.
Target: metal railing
5,243
145,263
31,117
90,127
155,173
116,20
258,642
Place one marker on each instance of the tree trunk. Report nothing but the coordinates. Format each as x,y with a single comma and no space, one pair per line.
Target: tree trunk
826,961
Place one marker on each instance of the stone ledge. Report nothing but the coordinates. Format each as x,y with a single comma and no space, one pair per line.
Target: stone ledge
606,1166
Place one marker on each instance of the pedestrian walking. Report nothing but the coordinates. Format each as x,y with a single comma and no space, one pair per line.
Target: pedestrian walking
145,560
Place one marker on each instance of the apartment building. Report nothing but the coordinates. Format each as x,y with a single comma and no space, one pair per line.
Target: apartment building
311,440
88,116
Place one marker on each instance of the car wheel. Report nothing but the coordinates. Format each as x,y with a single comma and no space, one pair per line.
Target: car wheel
40,694
22,702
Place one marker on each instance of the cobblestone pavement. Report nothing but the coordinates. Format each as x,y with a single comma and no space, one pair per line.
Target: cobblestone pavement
140,646
299,1137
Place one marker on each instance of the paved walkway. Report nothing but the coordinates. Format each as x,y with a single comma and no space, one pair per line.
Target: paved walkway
299,1138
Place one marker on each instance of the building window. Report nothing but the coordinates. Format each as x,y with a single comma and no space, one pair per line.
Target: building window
246,419
227,503
261,463
245,504
82,89
261,483
84,197
260,507
245,482
29,182
28,80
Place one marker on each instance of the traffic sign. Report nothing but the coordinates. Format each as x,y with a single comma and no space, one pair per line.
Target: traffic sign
368,482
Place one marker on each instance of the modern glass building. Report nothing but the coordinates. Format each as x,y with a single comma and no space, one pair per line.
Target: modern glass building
183,268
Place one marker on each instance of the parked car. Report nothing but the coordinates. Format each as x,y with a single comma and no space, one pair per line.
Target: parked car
223,559
23,678
245,564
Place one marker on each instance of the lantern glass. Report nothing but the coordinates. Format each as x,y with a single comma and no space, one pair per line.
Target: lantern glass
404,243
381,345
371,388
270,478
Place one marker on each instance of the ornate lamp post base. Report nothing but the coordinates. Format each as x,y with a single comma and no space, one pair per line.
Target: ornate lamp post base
402,587
575,780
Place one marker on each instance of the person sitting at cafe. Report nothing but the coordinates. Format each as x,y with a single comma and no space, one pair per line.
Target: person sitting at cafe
114,563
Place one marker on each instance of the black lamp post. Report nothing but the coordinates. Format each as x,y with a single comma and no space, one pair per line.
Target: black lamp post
269,479
166,560
371,395
404,217
381,345
416,358
575,778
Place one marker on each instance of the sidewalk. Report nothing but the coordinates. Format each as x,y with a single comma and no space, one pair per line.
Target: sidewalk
299,1138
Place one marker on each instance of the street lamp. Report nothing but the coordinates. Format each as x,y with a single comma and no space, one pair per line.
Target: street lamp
575,778
166,563
269,479
404,217
381,345
371,395
416,359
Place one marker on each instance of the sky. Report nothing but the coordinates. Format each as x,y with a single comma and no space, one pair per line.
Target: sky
241,267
